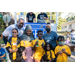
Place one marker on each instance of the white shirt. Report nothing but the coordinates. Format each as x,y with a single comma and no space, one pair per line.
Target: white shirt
73,36
8,31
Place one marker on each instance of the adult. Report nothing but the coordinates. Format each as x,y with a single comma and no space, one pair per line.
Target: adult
30,17
8,31
26,42
42,17
50,36
73,36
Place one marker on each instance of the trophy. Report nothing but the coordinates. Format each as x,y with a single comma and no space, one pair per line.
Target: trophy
37,44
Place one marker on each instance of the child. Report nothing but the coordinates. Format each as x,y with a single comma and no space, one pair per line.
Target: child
26,42
14,48
38,45
2,54
62,51
49,55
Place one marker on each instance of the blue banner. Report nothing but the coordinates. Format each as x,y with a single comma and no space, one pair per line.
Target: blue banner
40,26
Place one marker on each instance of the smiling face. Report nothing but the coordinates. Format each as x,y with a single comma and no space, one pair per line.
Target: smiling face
29,32
40,35
20,24
14,33
48,47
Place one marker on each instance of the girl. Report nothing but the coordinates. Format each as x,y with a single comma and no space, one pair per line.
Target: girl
26,42
49,54
62,51
14,48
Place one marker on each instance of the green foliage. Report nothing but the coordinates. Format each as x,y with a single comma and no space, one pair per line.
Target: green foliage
70,16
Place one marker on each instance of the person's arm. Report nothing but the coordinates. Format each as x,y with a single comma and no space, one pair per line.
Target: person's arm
34,19
2,56
60,52
68,54
52,60
33,48
26,19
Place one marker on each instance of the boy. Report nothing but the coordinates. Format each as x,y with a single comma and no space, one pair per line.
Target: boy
2,54
38,45
62,51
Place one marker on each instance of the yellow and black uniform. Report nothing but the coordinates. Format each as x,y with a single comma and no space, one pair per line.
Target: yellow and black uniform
25,43
14,43
48,55
62,57
38,50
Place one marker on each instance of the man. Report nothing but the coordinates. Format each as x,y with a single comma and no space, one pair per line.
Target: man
30,17
8,31
42,17
50,36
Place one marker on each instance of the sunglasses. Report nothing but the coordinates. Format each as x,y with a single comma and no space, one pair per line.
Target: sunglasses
14,32
22,23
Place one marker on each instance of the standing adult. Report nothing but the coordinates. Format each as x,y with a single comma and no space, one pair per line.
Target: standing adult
42,17
8,31
73,36
30,17
50,36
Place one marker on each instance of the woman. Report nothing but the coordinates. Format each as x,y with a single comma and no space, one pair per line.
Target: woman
27,38
50,36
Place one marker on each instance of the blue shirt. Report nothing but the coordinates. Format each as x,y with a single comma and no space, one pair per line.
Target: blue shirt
51,38
2,52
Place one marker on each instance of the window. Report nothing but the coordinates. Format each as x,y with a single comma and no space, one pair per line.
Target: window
65,26
70,26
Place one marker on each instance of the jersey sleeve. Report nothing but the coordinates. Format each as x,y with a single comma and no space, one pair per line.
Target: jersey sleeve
22,43
27,15
53,55
34,16
46,16
8,45
55,51
3,51
33,43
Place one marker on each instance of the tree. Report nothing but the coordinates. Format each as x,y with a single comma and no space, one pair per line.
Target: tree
70,16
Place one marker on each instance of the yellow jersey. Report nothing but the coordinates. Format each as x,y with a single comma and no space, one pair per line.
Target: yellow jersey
50,55
62,57
25,43
38,50
13,45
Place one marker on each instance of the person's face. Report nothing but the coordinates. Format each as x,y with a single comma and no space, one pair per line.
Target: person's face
31,13
40,35
48,28
61,41
21,23
48,47
42,12
29,32
14,33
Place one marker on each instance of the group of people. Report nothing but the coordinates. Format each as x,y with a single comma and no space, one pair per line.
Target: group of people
23,47
30,17
70,37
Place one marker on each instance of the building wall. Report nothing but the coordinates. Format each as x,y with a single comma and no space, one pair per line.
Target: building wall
68,27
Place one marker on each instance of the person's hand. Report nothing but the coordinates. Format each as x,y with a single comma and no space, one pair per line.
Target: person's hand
60,52
24,57
36,43
15,50
63,50
44,17
10,50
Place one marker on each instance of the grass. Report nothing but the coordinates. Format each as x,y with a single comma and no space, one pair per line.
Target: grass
1,41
